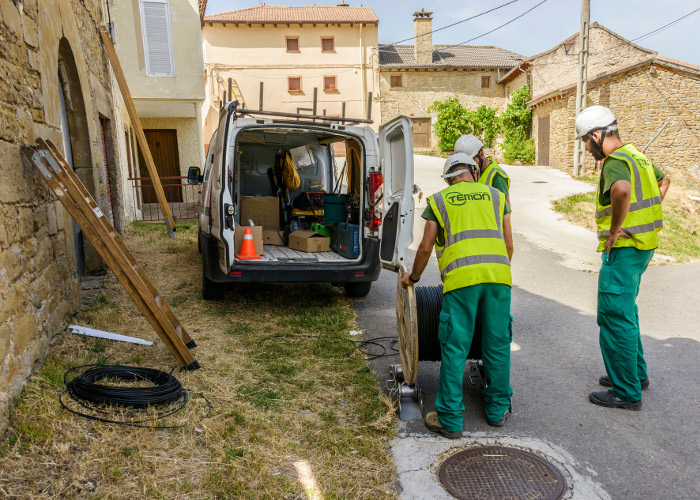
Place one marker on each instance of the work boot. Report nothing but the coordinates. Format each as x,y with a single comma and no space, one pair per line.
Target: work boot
432,423
605,382
502,422
609,400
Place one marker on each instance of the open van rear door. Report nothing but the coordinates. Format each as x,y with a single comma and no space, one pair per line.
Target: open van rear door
396,160
221,200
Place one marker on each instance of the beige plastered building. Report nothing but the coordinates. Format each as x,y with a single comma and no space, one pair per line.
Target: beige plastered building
292,51
413,77
643,89
160,50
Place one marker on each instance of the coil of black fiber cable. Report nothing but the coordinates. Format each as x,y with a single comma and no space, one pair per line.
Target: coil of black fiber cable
86,386
428,305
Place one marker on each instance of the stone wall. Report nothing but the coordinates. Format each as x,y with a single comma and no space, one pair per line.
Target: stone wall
642,102
421,88
607,51
38,272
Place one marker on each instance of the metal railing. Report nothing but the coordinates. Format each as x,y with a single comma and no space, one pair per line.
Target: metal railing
182,198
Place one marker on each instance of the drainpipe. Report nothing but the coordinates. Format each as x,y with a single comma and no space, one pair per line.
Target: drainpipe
362,70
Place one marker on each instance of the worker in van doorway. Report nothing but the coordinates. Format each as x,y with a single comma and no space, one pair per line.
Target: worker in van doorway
490,172
469,226
628,216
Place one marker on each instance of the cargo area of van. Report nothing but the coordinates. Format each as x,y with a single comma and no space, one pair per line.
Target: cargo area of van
301,191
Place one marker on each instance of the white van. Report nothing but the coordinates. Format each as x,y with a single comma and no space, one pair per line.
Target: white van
374,183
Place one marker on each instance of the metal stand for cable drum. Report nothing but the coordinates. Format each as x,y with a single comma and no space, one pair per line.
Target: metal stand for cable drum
417,318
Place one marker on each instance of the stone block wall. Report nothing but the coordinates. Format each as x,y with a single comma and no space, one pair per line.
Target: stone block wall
642,102
38,280
555,69
421,88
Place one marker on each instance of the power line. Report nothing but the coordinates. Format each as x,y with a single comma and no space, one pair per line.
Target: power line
449,25
491,31
658,30
629,42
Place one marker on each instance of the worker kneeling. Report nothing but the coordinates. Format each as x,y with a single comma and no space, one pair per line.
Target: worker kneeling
469,225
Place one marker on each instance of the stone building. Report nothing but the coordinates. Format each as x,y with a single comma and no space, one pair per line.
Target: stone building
643,89
412,77
55,85
291,54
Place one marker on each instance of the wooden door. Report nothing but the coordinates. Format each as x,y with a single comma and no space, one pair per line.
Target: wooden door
421,132
543,141
163,146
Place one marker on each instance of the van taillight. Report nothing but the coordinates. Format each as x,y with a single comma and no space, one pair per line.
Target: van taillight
211,221
376,190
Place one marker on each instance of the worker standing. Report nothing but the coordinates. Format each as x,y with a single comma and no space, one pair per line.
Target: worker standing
490,172
628,218
469,226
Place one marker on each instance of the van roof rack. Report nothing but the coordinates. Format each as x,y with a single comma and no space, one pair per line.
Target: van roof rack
306,117
313,116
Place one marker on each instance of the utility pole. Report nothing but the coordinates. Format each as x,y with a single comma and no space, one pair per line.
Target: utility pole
581,85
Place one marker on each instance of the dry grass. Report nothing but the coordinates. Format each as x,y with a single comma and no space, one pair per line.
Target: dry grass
680,238
285,399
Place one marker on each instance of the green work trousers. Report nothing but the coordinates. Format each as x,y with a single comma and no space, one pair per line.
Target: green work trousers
618,319
490,302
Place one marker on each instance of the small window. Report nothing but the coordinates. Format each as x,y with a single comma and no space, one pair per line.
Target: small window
294,83
396,81
485,82
327,44
292,43
329,83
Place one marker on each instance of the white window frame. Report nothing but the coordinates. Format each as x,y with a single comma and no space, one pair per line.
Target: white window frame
145,38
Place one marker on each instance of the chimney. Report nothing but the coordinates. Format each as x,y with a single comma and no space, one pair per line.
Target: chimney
423,43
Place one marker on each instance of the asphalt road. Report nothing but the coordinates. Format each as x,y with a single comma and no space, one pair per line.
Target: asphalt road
556,362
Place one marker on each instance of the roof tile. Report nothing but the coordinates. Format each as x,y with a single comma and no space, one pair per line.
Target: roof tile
309,14
463,56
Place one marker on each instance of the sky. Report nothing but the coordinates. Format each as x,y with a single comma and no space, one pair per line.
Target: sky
544,27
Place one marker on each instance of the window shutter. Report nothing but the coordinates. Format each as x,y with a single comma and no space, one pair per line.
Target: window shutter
157,40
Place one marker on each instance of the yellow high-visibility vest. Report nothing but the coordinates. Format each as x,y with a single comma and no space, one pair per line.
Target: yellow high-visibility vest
645,217
474,250
488,175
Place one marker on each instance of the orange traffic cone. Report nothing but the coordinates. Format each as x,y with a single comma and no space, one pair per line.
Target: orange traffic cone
247,247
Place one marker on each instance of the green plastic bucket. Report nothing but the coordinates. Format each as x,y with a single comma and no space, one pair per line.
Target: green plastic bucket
334,208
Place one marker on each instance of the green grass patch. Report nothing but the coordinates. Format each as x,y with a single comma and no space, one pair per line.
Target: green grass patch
680,237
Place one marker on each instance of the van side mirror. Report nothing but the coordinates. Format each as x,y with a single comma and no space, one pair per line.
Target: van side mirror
194,176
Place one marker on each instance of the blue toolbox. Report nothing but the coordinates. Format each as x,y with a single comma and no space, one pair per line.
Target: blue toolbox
349,240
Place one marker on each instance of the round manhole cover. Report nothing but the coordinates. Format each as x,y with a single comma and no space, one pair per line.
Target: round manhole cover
496,472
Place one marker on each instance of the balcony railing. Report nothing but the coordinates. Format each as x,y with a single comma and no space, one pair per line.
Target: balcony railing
182,198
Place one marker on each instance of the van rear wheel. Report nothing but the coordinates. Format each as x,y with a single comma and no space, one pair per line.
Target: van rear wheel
357,289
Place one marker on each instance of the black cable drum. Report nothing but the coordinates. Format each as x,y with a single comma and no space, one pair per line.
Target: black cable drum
428,305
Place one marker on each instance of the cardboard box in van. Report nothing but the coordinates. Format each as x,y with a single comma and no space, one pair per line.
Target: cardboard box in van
257,238
262,210
272,237
309,241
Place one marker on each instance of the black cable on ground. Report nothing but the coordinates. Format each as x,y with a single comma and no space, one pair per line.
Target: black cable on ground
364,346
98,398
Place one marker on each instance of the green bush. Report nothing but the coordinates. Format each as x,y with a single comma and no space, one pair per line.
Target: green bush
452,121
515,121
519,149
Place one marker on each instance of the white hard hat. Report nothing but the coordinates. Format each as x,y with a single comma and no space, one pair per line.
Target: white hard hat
457,159
595,118
468,144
